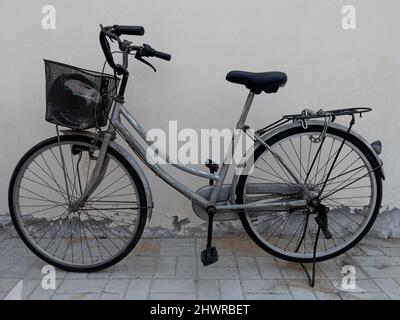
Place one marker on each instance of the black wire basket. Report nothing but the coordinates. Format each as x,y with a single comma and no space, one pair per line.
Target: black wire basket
77,98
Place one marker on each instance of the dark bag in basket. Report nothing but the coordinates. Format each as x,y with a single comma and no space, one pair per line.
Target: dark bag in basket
78,98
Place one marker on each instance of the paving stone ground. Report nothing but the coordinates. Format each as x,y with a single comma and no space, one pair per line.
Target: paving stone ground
171,269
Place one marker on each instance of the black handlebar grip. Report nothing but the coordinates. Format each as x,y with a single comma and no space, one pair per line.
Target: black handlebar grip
162,55
128,30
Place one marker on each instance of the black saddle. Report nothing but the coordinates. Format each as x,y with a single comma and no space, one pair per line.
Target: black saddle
258,82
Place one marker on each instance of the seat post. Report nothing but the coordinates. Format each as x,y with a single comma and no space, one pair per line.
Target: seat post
245,111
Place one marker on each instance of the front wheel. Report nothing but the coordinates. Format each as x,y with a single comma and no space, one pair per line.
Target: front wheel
352,193
49,177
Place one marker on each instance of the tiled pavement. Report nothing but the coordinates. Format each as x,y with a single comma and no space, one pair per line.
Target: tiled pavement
171,269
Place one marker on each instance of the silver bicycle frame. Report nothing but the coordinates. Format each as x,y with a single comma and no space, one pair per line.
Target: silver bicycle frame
116,126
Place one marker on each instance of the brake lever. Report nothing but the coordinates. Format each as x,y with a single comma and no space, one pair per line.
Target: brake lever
139,57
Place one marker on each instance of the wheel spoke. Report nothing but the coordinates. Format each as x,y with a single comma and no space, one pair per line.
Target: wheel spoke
350,194
77,239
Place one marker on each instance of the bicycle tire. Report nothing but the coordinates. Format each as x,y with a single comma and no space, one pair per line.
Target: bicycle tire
276,139
134,177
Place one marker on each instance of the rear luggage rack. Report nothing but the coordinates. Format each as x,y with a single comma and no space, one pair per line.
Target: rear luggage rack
310,114
307,114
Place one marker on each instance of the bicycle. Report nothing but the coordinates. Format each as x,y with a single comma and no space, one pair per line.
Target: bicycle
80,201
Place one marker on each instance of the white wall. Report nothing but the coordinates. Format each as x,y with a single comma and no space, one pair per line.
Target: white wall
327,66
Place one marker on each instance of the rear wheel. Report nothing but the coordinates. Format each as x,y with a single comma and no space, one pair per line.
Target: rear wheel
352,193
94,237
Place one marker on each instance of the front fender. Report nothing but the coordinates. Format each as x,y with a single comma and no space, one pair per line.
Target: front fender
135,165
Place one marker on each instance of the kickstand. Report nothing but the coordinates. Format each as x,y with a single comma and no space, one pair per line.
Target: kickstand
311,278
210,254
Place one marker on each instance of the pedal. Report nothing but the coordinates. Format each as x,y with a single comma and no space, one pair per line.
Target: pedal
209,256
322,220
214,167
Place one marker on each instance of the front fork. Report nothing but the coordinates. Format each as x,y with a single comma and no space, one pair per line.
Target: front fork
98,174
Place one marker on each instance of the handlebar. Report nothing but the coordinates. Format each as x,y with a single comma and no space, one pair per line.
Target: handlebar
114,33
128,30
105,45
150,52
